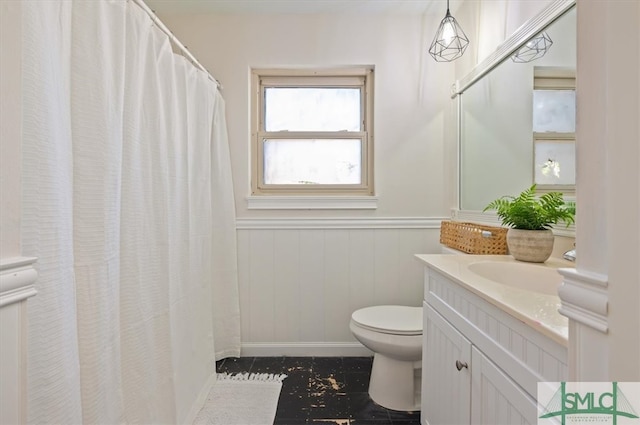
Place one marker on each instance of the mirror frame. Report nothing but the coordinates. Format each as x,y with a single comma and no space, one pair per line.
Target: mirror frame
512,44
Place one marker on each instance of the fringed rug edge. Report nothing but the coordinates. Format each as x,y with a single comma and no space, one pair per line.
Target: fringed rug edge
249,377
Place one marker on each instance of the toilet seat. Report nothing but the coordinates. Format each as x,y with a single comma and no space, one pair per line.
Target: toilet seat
390,319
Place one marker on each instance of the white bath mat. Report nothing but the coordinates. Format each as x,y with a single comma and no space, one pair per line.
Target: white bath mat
242,399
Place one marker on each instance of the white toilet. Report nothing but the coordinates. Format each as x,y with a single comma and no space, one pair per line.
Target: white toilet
394,334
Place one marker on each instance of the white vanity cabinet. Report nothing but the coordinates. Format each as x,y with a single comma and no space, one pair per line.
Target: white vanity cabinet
480,365
497,399
446,392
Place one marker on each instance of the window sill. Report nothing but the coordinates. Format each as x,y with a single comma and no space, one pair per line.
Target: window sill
312,202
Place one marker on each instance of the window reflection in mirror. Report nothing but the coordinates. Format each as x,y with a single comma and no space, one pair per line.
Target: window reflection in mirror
554,128
501,152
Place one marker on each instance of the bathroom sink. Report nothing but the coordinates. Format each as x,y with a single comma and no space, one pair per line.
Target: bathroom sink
520,275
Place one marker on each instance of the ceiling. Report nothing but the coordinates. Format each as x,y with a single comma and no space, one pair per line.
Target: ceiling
165,7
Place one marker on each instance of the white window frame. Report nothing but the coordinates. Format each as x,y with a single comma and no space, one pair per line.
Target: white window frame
336,77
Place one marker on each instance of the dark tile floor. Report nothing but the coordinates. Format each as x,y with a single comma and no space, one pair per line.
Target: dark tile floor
322,390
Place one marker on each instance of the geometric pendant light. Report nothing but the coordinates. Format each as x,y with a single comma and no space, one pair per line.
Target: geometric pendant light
533,49
450,41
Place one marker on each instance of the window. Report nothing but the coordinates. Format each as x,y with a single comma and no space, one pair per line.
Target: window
311,132
554,126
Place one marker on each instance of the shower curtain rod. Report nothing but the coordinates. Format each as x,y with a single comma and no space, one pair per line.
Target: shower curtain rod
174,40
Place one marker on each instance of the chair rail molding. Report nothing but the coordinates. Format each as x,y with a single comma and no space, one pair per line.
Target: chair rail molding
584,298
339,223
17,277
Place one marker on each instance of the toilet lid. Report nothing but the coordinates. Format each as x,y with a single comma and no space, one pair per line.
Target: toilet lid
390,319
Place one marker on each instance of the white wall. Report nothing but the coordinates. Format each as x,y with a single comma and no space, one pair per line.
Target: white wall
10,128
300,278
408,124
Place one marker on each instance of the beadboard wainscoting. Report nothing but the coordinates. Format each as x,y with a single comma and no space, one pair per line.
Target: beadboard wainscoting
300,279
17,279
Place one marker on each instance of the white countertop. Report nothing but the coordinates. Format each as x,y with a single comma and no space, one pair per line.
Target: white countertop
537,310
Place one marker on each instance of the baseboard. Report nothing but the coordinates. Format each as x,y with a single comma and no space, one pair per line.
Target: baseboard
304,349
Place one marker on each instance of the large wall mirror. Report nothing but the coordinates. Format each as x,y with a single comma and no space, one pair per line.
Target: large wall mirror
517,119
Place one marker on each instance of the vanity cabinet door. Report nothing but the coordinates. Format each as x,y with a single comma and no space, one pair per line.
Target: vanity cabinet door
495,398
446,374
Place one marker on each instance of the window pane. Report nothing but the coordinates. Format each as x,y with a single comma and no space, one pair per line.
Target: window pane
312,109
335,161
555,163
554,110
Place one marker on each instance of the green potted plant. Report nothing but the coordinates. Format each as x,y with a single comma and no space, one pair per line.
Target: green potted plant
530,219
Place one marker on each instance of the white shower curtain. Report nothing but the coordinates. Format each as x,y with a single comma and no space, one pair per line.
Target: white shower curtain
128,206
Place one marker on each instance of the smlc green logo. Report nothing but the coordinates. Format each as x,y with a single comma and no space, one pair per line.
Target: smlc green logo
608,405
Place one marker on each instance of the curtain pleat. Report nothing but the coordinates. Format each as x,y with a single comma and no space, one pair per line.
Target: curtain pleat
128,206
97,95
53,375
226,304
144,293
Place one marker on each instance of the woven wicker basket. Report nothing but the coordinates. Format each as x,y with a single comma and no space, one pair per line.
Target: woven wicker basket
474,238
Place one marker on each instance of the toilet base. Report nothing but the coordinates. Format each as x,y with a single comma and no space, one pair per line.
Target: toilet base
395,384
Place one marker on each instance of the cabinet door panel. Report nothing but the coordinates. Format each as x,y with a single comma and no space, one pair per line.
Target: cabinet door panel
445,389
495,398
